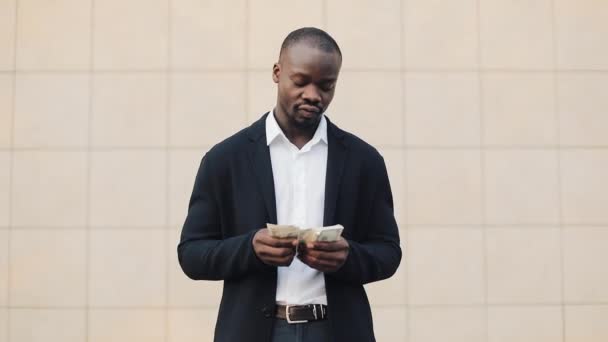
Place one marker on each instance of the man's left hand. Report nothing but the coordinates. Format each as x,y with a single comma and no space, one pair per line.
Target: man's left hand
324,256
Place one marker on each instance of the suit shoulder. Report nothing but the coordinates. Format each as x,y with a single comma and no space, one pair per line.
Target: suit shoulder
362,149
235,142
229,147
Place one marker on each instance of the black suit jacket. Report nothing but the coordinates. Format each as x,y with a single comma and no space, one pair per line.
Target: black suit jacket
233,197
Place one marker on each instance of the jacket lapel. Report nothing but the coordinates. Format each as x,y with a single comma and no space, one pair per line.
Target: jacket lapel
336,158
259,156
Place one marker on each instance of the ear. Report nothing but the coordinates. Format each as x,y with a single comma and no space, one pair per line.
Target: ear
276,72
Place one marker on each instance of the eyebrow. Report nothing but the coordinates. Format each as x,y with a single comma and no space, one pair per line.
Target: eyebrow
326,79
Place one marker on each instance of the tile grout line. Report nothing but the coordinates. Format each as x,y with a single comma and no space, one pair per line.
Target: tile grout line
324,15
556,111
386,147
89,173
245,61
526,226
404,154
11,162
168,102
482,169
394,306
346,69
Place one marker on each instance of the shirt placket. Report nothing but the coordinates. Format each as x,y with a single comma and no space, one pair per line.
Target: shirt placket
299,183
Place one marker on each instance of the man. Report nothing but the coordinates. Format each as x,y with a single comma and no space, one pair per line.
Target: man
293,167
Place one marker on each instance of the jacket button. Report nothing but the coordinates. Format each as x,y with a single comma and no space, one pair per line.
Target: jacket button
267,312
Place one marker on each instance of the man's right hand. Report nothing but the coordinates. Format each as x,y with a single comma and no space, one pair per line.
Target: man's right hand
274,251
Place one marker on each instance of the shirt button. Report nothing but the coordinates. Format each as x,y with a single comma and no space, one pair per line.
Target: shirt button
267,312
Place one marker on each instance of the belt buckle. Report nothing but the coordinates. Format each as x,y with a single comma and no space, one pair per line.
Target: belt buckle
289,319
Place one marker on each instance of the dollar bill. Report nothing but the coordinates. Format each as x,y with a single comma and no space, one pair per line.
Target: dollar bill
308,235
330,234
283,231
327,234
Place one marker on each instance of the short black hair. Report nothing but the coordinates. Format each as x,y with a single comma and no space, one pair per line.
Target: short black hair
317,38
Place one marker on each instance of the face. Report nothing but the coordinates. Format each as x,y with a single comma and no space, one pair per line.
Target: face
306,79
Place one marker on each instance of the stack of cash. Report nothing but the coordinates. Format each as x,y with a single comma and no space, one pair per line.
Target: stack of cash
283,231
327,234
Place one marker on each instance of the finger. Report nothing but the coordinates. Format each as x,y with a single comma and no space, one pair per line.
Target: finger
284,252
279,261
277,252
319,264
327,256
335,246
277,242
264,236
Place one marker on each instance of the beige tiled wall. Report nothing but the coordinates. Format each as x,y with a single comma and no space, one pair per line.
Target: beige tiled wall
492,116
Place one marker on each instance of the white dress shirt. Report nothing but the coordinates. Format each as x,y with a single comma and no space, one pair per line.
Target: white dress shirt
299,186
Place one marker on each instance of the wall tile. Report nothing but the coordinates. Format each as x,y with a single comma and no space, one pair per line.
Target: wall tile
195,42
445,266
54,34
127,325
390,323
261,94
435,196
129,110
128,188
521,186
34,279
6,109
49,189
41,325
375,117
4,255
192,325
525,324
5,184
581,32
127,37
450,122
519,109
7,35
584,186
185,292
583,105
206,108
440,34
51,110
586,323
523,265
183,167
375,24
447,324
516,34
127,268
4,325
271,21
585,256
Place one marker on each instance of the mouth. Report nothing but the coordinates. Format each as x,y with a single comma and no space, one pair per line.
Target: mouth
309,111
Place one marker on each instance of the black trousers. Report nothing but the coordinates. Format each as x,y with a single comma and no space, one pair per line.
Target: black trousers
317,331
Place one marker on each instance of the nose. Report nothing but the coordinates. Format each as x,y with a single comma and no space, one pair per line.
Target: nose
311,94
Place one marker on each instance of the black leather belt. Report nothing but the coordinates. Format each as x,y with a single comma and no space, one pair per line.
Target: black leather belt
302,313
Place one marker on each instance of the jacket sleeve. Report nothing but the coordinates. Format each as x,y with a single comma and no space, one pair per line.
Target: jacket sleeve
202,252
378,256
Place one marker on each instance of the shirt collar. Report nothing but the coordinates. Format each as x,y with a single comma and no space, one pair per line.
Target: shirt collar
273,130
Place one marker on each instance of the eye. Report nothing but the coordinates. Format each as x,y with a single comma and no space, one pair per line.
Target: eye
327,86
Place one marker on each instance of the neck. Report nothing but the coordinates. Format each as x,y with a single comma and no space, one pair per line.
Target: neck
298,136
